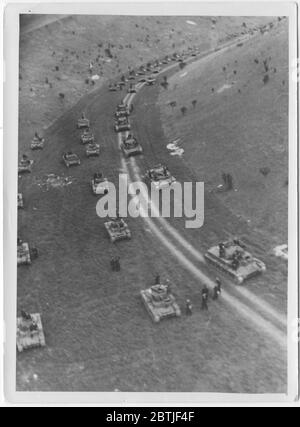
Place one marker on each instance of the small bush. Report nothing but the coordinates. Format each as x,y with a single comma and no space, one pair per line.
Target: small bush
194,103
56,68
266,79
61,95
183,110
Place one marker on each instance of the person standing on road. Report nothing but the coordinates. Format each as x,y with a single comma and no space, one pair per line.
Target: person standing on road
205,294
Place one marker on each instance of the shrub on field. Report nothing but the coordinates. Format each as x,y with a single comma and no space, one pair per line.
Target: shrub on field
266,79
265,171
183,110
194,103
61,95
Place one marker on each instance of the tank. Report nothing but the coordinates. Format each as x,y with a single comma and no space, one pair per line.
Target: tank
281,251
150,81
92,150
131,147
131,89
20,201
231,258
99,184
83,122
25,165
87,136
113,87
37,143
30,332
160,177
122,124
23,254
117,230
71,159
160,303
122,111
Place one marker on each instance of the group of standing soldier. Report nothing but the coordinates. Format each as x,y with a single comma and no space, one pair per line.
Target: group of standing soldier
205,297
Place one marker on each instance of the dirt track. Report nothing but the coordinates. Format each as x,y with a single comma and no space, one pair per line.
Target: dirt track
71,284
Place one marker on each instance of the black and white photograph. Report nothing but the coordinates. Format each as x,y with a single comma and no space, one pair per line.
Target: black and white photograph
155,163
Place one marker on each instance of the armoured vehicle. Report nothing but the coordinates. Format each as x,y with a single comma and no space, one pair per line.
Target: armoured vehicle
160,303
20,200
71,159
25,165
232,258
92,150
118,230
281,251
131,147
87,136
122,110
37,143
24,254
160,177
131,89
30,332
99,184
122,124
150,81
113,87
83,122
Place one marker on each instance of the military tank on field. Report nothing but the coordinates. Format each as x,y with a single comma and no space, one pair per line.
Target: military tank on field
25,164
122,111
113,87
92,150
87,136
122,124
20,201
118,230
232,258
83,122
99,184
131,88
25,254
30,332
37,143
71,159
160,177
160,303
131,147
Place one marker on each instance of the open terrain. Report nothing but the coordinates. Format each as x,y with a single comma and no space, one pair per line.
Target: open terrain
99,336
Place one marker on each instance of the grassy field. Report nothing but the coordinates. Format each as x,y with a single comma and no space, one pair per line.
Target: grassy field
239,125
99,336
56,51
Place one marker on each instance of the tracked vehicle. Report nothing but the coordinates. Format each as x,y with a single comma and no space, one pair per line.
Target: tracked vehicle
30,332
83,122
122,124
37,143
92,150
131,147
232,259
25,165
160,303
71,159
118,230
160,177
87,136
99,184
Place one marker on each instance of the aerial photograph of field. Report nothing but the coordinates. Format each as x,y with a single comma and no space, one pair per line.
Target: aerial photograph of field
145,303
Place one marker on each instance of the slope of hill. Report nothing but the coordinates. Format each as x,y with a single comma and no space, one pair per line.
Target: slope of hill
237,124
55,54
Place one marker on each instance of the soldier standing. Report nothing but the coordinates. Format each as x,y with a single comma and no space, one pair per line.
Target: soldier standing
188,307
205,294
